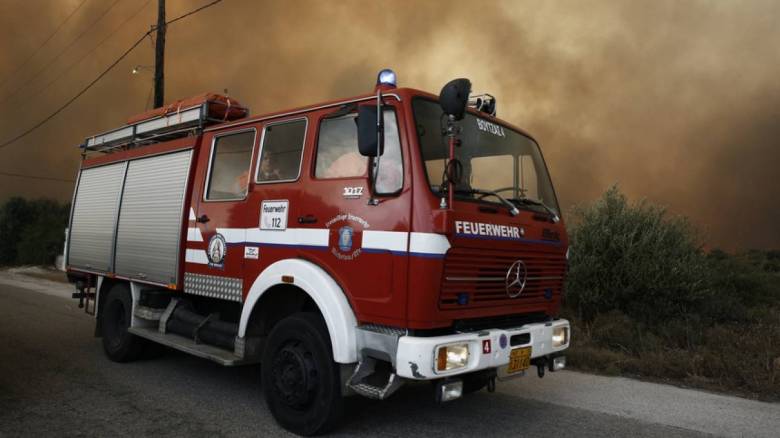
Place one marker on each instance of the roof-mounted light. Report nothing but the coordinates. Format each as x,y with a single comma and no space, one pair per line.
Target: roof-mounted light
454,96
386,78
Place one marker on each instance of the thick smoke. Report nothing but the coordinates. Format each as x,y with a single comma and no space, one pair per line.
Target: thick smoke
675,102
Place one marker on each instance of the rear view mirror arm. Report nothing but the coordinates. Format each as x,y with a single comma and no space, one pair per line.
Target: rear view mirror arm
379,139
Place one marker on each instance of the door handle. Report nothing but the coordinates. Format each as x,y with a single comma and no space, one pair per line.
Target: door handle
307,219
202,219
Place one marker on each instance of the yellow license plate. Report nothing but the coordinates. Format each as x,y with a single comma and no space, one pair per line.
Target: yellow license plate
519,360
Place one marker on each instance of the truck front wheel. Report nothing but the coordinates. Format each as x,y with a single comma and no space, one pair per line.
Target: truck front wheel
119,345
301,382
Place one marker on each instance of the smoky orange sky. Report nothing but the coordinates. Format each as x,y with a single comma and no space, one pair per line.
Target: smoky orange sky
677,102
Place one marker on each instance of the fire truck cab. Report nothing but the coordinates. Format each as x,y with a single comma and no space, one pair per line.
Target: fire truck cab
349,246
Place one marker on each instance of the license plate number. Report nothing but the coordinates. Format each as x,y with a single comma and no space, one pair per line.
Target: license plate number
519,360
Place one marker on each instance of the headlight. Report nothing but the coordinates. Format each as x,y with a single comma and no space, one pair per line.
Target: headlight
450,357
560,336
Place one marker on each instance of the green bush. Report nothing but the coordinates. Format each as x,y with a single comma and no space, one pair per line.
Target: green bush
742,287
644,299
32,232
634,258
14,216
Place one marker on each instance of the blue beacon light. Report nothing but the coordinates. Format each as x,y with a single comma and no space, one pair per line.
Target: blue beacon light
387,77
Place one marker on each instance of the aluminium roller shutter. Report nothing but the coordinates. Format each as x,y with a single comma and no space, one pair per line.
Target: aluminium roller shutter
150,219
94,216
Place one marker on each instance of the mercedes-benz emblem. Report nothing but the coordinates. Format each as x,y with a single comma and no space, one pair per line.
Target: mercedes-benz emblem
515,279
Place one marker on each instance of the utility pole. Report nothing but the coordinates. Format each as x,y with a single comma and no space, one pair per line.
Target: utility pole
159,57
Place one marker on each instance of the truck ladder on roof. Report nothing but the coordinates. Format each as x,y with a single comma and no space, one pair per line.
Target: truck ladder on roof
181,123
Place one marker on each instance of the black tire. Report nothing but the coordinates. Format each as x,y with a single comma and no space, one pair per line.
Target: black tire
301,382
119,345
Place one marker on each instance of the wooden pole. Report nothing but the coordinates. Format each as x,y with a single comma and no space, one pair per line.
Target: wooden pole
159,57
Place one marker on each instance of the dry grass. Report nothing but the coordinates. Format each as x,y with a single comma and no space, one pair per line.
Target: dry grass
740,360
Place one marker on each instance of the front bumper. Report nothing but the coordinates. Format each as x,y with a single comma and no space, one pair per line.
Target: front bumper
415,357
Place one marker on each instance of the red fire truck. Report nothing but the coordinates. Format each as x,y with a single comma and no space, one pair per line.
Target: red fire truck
348,246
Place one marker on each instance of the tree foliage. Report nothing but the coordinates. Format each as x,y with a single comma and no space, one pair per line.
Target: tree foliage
32,232
646,299
634,258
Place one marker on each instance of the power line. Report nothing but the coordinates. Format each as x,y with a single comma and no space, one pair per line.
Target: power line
51,116
59,54
100,76
78,61
45,178
35,52
207,5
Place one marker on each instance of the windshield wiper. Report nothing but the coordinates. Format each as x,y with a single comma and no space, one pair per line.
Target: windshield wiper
529,201
512,209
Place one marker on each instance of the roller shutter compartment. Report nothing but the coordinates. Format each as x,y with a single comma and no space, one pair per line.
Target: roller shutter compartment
94,217
150,220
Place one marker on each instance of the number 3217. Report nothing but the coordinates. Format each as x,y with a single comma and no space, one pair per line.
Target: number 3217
353,192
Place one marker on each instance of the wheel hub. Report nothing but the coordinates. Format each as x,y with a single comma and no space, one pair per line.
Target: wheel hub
295,375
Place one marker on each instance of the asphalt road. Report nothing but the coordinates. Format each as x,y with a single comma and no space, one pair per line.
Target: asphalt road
55,381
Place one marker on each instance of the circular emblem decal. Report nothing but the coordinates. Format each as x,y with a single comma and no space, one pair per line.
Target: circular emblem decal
345,233
217,249
515,280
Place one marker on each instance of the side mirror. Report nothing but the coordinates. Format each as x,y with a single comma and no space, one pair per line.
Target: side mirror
370,131
454,171
454,96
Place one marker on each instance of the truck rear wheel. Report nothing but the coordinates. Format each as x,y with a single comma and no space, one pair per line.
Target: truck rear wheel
301,382
119,345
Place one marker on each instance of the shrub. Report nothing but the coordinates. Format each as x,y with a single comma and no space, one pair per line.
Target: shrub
616,331
44,236
644,299
31,232
14,216
633,258
741,288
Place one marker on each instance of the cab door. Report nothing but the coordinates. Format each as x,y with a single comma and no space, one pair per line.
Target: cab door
218,218
367,248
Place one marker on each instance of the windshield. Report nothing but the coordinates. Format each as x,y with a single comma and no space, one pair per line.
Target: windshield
494,158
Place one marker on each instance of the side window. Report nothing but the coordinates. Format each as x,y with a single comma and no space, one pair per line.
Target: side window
391,167
230,160
280,154
337,151
338,156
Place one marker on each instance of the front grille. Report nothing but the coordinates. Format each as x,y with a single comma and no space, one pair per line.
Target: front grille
475,278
